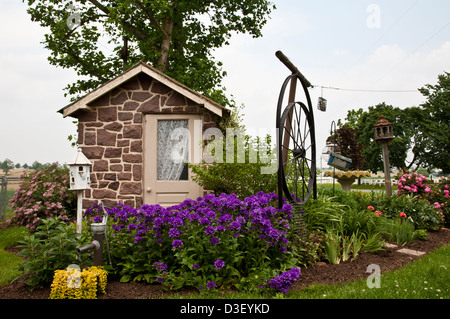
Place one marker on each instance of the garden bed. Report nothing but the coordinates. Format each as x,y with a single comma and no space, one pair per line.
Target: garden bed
321,273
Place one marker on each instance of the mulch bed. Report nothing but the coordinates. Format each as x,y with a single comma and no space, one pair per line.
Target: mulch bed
320,273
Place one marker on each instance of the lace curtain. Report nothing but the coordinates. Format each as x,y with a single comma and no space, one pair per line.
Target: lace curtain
173,150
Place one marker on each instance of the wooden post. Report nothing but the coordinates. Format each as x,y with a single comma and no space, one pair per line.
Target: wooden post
387,170
79,210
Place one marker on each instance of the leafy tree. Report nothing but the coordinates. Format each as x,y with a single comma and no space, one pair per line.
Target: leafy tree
363,121
176,36
423,131
36,165
349,145
6,165
435,142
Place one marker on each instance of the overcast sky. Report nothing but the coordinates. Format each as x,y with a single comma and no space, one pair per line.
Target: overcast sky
353,45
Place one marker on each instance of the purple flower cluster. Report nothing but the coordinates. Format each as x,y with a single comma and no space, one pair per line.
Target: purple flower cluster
219,264
283,282
214,214
214,223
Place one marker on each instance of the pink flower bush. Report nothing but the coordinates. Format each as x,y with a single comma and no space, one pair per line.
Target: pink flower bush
436,195
44,193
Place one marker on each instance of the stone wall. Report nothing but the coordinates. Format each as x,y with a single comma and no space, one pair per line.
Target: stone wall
111,136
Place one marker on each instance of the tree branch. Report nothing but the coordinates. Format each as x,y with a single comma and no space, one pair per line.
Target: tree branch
151,17
125,24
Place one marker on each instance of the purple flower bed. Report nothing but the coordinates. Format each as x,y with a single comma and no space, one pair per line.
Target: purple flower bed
219,239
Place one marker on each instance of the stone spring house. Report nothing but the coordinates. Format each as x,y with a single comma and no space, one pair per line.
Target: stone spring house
124,129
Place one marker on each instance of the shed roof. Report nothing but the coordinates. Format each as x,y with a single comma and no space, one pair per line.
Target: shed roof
141,67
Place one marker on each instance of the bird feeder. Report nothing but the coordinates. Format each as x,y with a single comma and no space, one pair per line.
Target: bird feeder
335,159
383,131
384,134
80,180
338,161
80,170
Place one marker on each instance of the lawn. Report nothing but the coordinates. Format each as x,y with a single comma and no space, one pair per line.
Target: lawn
426,278
9,262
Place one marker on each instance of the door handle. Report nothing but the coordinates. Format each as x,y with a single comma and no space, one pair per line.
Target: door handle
149,189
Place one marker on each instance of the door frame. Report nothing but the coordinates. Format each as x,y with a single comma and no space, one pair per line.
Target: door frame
150,147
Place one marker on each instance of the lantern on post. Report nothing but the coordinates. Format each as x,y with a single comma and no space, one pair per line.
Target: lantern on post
80,180
384,134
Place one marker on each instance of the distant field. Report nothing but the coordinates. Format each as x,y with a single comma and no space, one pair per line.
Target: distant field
17,172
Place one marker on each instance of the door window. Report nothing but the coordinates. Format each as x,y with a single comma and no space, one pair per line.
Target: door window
172,150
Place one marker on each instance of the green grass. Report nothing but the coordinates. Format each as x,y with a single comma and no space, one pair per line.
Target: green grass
9,211
425,278
9,262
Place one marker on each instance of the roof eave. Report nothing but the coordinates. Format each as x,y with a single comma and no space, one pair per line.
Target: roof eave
82,104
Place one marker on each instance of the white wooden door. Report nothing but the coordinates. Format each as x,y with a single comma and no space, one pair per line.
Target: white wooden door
170,142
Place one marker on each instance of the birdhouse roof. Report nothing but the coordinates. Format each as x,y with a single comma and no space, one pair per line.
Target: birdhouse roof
80,159
83,102
382,122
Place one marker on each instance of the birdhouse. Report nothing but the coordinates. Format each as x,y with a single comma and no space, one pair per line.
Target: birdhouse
339,161
79,172
383,131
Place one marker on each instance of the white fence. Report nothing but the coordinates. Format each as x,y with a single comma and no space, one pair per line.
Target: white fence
365,181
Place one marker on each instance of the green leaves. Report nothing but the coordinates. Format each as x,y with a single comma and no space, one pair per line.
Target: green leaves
178,37
421,130
51,247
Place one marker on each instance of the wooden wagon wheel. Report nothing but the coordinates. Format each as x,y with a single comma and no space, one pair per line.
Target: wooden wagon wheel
297,166
296,145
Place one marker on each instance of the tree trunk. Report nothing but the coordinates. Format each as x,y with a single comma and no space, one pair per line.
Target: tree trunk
163,62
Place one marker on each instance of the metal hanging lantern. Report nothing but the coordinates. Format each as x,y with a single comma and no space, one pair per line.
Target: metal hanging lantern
322,102
296,144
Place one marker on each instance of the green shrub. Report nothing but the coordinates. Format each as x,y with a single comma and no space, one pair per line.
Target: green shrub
417,210
243,177
52,246
43,194
436,195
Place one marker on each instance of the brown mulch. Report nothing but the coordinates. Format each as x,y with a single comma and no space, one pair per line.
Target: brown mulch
321,273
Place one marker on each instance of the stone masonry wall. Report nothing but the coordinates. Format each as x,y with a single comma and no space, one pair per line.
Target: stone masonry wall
111,136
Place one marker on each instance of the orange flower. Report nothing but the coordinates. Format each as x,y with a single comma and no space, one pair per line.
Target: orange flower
370,207
402,214
378,213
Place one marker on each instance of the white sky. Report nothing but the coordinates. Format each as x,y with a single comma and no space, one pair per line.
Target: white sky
343,44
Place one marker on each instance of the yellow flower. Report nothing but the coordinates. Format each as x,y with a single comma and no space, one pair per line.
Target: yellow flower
73,284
